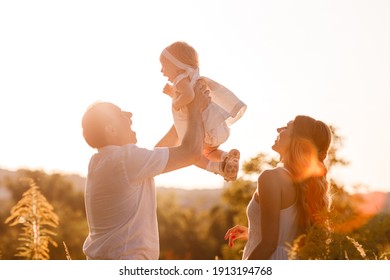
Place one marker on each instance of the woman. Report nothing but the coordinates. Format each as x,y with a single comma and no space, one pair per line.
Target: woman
289,198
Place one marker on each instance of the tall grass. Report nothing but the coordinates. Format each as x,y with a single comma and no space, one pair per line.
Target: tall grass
37,218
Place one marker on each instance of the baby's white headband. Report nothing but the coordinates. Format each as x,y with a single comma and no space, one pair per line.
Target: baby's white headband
174,60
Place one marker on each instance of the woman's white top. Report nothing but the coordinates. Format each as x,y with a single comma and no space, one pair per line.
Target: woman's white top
288,229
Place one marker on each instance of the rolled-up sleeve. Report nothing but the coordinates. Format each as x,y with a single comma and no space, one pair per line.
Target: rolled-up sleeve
144,163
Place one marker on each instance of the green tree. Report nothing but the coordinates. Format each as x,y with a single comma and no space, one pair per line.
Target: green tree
219,218
333,159
36,215
182,230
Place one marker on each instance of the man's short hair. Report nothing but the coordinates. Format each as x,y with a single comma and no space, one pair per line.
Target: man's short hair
94,122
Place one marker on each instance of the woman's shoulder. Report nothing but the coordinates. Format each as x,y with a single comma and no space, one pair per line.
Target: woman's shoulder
274,175
276,171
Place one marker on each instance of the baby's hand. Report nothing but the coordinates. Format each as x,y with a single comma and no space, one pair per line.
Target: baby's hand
168,90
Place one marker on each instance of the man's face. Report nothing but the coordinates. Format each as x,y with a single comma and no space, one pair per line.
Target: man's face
121,131
132,136
127,134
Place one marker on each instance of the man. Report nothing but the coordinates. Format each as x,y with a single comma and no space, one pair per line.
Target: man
120,197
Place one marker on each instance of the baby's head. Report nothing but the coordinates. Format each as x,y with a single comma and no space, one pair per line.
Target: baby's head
184,53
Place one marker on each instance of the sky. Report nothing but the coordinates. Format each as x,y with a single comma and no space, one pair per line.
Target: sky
326,59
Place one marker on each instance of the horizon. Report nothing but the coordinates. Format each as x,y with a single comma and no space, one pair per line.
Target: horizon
175,187
326,60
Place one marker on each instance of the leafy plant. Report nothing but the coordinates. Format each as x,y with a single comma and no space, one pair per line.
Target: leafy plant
37,217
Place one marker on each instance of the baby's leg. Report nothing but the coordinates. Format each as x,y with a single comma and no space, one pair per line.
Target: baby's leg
230,165
211,166
214,154
227,167
202,163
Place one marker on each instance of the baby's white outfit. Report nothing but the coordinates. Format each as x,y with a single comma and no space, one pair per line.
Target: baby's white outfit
224,109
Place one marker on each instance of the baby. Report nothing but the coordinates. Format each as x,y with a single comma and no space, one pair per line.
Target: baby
180,65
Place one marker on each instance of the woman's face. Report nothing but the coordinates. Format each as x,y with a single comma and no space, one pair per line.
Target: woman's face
282,142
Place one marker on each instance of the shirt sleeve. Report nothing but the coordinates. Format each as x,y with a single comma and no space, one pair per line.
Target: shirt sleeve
144,163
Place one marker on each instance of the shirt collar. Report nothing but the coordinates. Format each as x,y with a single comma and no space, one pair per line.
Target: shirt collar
107,148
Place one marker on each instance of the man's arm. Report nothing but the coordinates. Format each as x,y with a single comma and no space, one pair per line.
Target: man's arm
170,139
190,150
